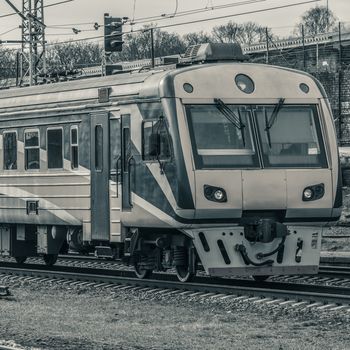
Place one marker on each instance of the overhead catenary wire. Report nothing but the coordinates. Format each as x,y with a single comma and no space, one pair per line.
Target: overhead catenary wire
176,8
9,31
45,6
164,16
238,14
134,10
209,2
149,19
100,37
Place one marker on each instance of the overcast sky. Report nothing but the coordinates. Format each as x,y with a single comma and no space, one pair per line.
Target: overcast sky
89,11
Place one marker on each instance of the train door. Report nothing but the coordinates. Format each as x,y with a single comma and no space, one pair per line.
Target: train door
100,176
126,161
115,177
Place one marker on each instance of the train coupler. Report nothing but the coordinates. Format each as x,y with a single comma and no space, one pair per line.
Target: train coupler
263,230
243,251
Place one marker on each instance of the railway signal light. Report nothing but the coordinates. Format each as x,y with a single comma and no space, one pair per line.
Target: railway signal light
113,34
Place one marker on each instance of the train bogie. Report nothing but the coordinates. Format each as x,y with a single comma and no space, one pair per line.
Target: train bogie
22,241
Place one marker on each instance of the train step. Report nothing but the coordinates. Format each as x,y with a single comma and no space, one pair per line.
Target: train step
104,252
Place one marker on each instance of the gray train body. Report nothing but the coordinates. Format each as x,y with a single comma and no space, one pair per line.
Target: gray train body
230,164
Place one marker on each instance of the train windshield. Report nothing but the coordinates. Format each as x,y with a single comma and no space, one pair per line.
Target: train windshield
222,136
291,137
227,136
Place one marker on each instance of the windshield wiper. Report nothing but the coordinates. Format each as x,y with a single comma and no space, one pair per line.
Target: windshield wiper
231,116
269,122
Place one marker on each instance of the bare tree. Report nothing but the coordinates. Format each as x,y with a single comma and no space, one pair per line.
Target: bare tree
138,45
226,33
252,33
247,33
8,62
73,55
195,38
317,20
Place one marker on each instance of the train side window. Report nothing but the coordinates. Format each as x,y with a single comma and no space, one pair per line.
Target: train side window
55,148
32,149
10,150
98,147
158,129
74,147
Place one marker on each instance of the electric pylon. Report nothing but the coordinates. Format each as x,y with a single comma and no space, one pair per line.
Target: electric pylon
32,62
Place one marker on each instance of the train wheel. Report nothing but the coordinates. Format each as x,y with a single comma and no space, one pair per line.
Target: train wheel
182,260
76,241
183,273
50,259
140,272
21,259
261,278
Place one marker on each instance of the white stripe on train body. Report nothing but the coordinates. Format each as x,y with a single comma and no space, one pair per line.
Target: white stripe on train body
230,164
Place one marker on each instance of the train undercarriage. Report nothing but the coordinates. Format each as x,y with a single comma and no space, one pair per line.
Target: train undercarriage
261,247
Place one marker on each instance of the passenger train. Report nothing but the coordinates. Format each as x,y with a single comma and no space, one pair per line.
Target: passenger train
211,162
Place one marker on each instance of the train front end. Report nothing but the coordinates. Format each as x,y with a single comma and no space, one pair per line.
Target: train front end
260,152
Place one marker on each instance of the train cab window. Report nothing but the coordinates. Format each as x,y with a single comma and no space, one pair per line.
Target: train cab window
221,136
32,149
55,148
152,130
98,147
290,136
74,147
10,150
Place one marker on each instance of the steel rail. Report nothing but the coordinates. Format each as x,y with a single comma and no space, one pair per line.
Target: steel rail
336,236
288,291
328,268
335,271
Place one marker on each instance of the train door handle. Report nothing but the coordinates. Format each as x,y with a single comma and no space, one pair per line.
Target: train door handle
119,159
131,160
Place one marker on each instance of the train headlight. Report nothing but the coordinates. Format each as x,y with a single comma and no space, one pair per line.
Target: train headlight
219,195
312,193
308,193
244,83
215,194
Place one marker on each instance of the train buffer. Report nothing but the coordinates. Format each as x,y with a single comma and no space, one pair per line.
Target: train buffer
4,291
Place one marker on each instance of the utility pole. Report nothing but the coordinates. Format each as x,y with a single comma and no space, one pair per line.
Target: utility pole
267,46
32,62
152,48
327,17
304,53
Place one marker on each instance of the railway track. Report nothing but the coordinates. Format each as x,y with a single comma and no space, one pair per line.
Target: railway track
335,271
281,293
329,272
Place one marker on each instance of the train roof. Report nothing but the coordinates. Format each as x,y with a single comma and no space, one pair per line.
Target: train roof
193,58
155,84
79,84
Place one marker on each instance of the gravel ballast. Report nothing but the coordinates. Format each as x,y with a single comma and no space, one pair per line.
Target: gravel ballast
53,316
